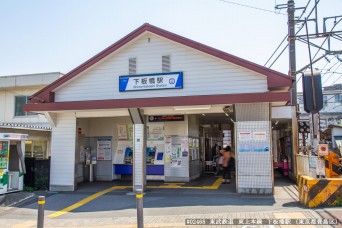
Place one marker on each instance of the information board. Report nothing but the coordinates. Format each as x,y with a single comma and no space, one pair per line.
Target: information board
104,149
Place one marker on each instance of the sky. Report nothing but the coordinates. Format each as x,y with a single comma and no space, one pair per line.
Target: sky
40,36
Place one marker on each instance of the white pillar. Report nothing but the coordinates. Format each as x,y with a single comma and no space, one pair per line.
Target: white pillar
63,141
139,157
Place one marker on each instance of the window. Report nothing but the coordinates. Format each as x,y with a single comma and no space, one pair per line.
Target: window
166,63
325,99
338,97
132,66
20,101
36,149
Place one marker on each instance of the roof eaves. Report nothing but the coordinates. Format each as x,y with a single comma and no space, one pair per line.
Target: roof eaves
272,76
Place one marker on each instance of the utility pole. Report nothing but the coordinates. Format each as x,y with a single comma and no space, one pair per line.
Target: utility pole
292,72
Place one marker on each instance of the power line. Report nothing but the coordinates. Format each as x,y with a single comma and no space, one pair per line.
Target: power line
323,44
252,7
305,8
327,38
321,69
276,50
332,74
328,70
337,79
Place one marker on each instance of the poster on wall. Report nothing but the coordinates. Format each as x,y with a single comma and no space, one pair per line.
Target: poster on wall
122,132
82,154
4,149
176,152
104,149
168,148
261,147
259,135
246,135
244,147
155,132
176,163
185,147
130,131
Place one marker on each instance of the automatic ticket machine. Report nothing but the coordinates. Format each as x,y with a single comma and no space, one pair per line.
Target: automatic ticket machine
12,165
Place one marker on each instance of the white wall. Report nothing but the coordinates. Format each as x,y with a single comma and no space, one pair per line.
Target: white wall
203,74
63,144
7,106
179,128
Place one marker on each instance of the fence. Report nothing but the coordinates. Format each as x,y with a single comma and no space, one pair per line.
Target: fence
37,173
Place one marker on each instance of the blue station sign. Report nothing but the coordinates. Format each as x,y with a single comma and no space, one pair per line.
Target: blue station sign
171,80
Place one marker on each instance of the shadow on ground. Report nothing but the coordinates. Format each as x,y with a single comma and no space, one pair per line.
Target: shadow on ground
123,199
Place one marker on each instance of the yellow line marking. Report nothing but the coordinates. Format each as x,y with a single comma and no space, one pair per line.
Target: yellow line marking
215,186
217,183
84,201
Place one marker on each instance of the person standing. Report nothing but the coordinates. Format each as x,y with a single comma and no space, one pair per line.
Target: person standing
228,165
219,162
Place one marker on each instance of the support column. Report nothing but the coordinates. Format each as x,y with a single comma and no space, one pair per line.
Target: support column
139,149
253,148
63,141
139,157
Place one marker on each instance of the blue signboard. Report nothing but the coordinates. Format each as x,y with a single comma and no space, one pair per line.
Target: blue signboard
171,80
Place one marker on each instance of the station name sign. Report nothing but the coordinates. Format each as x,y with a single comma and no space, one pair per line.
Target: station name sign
165,118
171,80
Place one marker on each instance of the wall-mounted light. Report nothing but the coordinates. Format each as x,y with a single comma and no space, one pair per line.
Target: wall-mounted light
226,114
198,107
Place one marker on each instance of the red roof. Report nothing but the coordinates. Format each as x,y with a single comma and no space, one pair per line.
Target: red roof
274,79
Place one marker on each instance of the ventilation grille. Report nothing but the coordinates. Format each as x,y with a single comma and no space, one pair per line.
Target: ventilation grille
166,65
132,66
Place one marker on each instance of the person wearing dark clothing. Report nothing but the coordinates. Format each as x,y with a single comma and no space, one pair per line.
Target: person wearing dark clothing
228,166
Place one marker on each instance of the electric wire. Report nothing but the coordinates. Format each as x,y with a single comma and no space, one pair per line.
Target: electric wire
326,38
323,69
332,74
285,38
298,29
252,7
323,44
337,80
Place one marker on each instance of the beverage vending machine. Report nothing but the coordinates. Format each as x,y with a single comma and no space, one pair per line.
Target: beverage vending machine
12,165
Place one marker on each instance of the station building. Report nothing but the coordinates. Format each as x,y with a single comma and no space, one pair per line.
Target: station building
159,97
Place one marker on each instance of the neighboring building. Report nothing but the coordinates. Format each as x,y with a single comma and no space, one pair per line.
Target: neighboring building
15,91
331,114
159,90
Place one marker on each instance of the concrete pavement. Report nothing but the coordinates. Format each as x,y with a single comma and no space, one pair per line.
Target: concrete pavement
164,207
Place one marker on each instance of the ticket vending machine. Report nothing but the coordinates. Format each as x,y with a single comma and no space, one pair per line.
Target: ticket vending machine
12,165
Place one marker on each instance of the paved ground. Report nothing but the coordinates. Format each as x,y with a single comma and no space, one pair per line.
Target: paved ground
168,205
